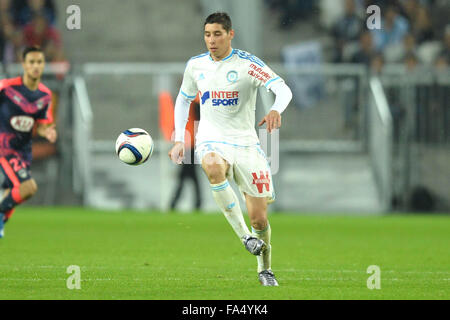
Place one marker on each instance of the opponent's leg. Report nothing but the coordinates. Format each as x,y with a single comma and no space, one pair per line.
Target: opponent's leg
18,194
15,196
7,215
257,211
216,168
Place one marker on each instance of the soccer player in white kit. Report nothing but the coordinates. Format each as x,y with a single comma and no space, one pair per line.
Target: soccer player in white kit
227,145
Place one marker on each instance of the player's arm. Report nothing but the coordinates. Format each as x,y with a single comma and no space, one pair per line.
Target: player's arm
47,131
283,95
187,93
182,105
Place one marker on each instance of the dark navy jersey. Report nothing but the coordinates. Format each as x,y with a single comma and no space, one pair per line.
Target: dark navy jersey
20,108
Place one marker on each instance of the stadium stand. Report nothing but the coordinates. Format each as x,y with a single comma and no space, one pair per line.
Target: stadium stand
326,23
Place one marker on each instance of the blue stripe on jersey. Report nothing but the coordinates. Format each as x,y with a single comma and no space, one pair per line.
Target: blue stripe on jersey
186,95
271,80
248,56
199,56
230,55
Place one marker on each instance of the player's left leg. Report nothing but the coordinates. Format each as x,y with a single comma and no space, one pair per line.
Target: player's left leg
254,178
257,212
8,214
17,195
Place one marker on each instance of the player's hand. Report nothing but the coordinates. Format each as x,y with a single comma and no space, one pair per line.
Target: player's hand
50,133
176,154
272,120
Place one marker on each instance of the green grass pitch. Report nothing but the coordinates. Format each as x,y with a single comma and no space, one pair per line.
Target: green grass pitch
137,255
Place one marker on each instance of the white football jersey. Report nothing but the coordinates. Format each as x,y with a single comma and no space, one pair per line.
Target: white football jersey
227,90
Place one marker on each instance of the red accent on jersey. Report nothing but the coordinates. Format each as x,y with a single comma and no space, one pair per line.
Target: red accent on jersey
49,113
9,172
10,82
258,73
224,94
262,181
17,103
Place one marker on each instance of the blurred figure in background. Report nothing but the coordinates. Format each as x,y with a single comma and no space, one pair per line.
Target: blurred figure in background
394,27
376,64
189,170
397,53
291,10
411,61
419,19
366,49
27,9
25,101
8,35
444,54
6,9
39,33
12,41
347,29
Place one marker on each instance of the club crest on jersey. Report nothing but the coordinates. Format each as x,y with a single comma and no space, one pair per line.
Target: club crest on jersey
40,104
22,123
232,76
221,98
22,173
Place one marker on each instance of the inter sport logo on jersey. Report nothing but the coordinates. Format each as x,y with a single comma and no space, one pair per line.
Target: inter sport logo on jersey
221,98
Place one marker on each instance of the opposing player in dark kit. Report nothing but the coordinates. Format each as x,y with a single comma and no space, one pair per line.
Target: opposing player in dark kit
24,101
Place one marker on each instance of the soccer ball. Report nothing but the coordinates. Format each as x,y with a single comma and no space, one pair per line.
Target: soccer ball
134,146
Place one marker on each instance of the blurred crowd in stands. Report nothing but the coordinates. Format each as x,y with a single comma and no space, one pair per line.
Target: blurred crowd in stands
29,23
409,34
412,31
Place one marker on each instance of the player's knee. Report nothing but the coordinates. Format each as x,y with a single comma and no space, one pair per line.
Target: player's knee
215,173
214,167
28,188
258,223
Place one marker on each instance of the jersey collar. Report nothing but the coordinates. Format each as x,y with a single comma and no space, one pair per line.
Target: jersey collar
224,59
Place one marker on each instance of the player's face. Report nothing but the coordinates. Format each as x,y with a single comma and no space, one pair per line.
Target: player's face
34,64
218,40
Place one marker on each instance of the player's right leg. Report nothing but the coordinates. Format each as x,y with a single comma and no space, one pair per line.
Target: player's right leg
14,197
20,187
216,169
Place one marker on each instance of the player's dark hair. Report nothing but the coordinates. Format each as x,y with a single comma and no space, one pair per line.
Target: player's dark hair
221,18
30,49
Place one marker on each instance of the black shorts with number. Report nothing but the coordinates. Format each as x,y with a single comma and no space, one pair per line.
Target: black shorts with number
15,171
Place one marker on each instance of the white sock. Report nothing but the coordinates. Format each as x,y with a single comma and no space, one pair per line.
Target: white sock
229,204
265,259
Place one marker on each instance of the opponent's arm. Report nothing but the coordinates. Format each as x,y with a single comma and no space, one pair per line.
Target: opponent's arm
47,131
182,104
283,95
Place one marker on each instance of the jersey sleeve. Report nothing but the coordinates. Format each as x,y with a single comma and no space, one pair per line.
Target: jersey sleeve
261,74
189,86
45,116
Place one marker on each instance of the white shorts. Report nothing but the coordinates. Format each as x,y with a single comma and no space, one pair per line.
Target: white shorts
248,167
